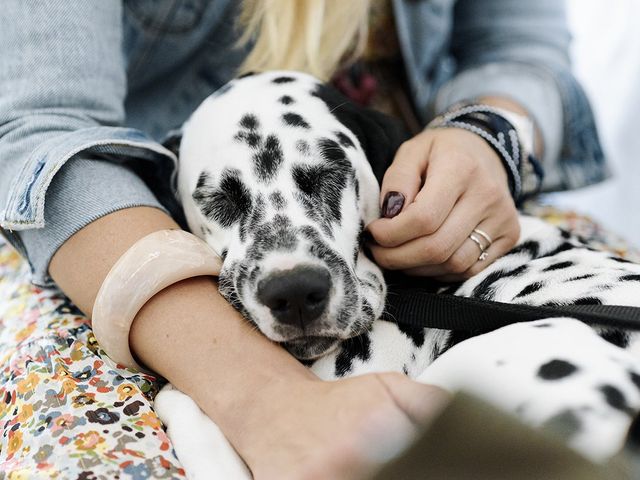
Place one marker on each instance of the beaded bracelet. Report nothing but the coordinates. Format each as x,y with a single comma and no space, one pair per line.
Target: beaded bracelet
500,134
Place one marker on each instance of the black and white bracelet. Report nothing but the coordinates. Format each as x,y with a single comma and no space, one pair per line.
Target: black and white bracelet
502,136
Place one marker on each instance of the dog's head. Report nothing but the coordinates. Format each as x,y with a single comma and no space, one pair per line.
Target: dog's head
274,176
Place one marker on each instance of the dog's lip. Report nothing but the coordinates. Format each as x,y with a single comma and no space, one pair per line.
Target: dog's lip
308,338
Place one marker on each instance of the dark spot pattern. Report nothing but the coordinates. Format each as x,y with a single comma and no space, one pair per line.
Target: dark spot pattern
616,399
620,260
295,120
268,158
286,100
530,247
558,266
556,370
580,277
635,378
344,140
630,278
352,348
617,337
321,185
283,79
529,289
225,204
485,289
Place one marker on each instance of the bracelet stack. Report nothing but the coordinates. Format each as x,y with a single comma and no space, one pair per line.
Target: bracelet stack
523,169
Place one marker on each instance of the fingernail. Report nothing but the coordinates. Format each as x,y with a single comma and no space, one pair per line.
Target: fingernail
393,202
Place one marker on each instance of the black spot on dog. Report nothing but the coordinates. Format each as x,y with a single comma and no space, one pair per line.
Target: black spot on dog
277,200
562,248
331,151
616,399
630,278
542,325
566,424
352,348
268,159
619,338
286,100
484,289
322,185
251,138
529,289
295,120
283,79
249,135
565,233
249,121
224,253
580,277
344,140
556,370
558,266
530,247
635,378
620,260
225,204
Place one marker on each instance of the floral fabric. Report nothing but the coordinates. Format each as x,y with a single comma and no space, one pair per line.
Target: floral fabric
66,410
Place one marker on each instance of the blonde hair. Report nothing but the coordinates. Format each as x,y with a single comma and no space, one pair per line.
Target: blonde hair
313,36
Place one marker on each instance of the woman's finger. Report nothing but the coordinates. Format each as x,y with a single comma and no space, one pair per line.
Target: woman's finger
443,186
498,248
403,178
435,249
469,252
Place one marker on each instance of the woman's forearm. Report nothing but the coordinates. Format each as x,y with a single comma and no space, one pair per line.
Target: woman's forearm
187,333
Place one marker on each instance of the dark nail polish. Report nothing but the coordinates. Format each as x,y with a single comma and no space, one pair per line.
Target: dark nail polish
393,202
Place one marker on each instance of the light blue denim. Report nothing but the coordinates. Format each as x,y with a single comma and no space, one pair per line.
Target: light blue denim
101,82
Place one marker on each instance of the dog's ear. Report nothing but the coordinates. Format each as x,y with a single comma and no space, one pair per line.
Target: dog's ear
379,135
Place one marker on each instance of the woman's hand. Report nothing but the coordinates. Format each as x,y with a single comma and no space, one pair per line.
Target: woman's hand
342,430
443,184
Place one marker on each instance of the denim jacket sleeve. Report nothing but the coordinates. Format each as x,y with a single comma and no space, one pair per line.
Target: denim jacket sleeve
512,48
62,92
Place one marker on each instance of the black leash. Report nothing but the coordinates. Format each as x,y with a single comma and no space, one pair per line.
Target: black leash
416,306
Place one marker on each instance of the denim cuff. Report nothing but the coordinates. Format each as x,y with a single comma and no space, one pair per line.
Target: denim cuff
82,191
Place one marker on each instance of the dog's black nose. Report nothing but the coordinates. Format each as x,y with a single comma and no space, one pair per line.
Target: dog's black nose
297,296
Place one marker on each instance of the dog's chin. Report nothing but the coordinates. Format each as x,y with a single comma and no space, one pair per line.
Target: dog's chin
310,348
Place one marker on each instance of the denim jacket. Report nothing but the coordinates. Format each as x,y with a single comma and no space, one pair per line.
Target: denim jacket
106,80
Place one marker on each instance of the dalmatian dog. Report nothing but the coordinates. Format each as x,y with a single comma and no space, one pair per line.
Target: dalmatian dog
278,173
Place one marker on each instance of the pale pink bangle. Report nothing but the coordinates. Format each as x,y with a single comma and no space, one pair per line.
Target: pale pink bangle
152,263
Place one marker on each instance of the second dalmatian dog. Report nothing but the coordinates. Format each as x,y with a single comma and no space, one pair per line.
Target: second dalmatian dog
276,175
